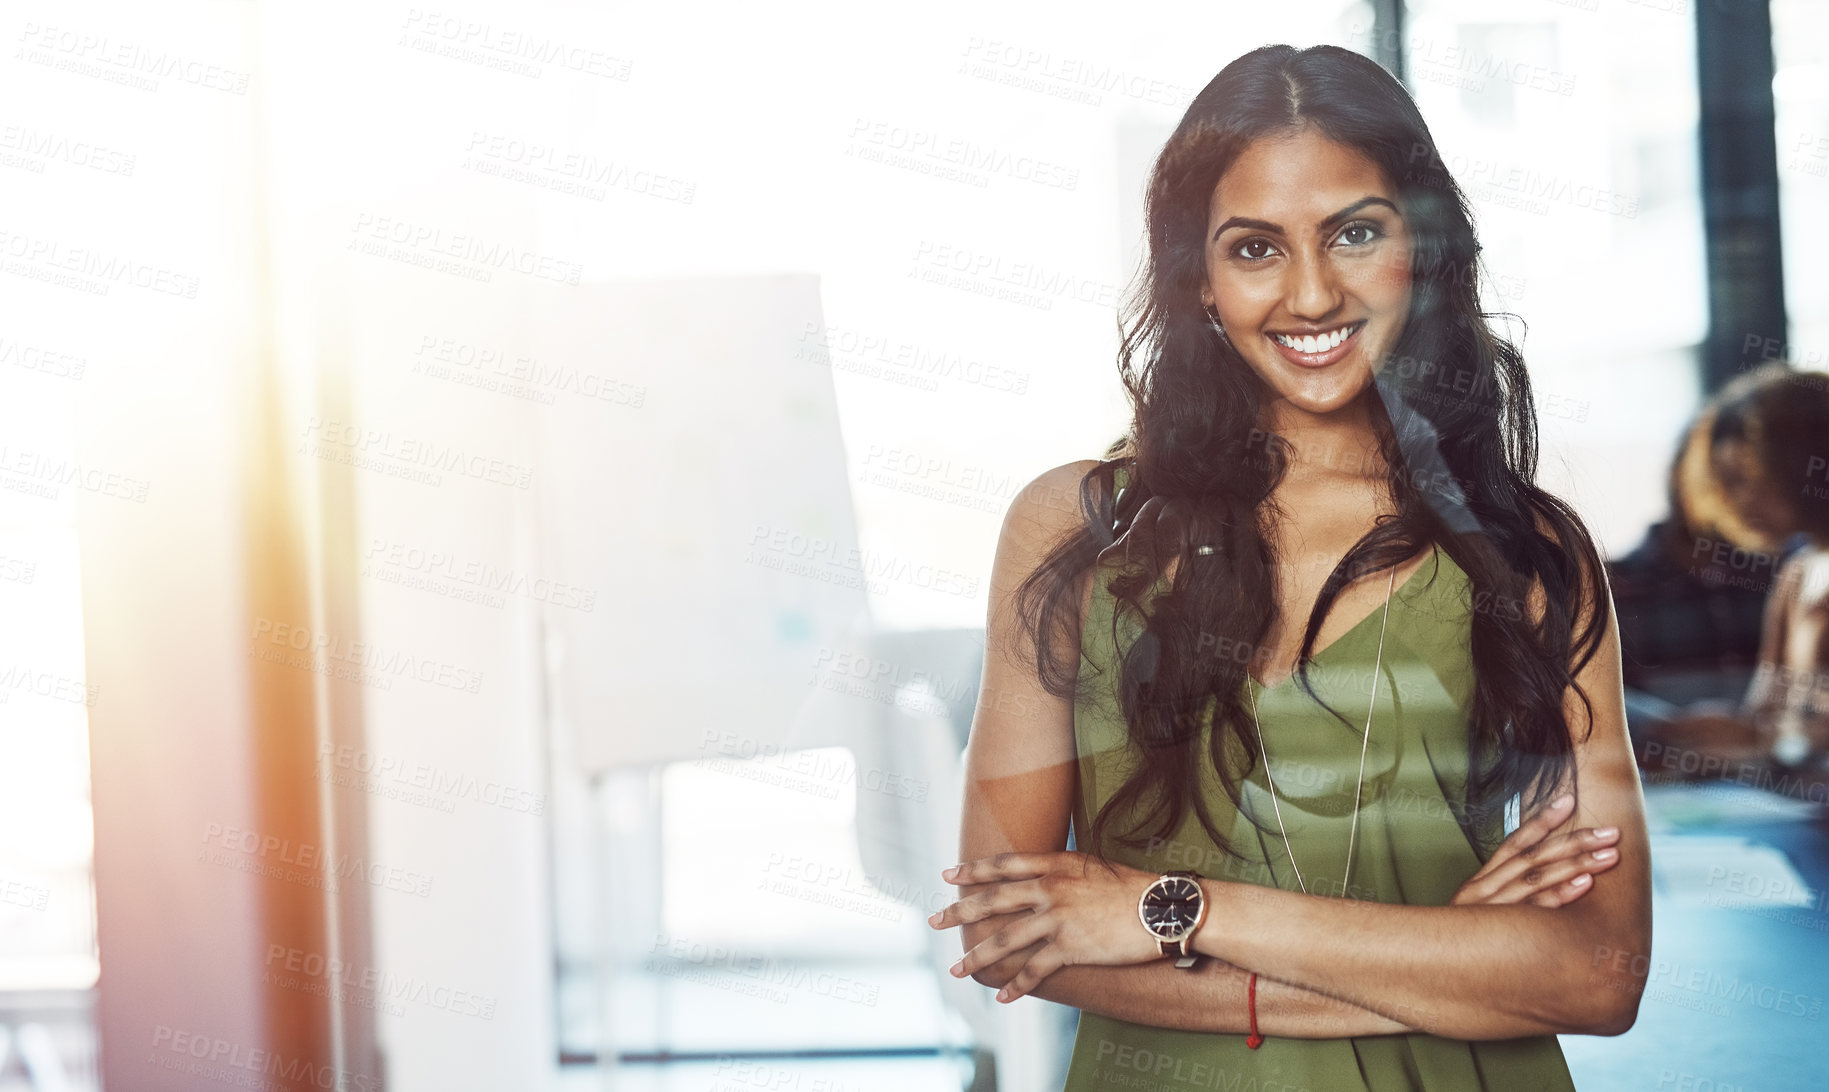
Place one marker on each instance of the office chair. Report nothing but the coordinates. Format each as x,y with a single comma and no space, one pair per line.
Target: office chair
908,833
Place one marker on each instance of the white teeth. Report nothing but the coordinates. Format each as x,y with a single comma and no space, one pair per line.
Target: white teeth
1313,343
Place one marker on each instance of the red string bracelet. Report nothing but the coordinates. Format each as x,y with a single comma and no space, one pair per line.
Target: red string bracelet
1254,1040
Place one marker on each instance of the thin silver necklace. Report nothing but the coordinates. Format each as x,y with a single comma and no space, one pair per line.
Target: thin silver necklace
1366,738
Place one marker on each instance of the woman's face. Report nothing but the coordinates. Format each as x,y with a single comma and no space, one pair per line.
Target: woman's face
1305,240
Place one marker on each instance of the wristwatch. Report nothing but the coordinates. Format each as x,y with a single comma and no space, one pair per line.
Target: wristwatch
1171,909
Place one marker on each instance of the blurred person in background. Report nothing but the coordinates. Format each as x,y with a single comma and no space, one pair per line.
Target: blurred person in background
1755,475
1691,600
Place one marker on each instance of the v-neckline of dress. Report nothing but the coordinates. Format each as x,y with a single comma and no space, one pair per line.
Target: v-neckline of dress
1262,688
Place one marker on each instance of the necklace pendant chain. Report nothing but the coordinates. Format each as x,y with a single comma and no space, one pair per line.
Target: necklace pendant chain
1365,740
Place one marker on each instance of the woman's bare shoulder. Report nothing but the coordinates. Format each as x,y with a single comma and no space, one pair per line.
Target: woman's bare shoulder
1049,506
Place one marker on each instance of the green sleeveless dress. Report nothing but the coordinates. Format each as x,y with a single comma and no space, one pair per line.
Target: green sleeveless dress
1408,849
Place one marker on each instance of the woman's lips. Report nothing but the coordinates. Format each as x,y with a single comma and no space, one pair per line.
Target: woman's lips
1318,360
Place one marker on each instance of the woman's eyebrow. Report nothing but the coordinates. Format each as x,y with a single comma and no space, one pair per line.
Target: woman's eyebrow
1265,225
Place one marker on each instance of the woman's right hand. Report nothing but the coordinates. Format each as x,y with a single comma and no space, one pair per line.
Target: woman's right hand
1532,866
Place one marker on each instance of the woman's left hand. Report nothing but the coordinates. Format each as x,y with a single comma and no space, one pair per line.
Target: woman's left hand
1081,911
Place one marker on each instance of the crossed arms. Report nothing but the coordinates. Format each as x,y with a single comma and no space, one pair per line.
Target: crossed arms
1483,968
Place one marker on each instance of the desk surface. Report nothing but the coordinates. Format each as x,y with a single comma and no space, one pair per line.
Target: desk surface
1737,993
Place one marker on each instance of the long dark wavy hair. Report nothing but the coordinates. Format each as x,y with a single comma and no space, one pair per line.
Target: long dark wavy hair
1457,429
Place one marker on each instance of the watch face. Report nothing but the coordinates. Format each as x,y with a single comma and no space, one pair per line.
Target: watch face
1171,906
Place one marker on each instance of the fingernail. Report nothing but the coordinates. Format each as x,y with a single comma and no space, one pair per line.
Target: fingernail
1580,880
934,918
1605,832
950,873
1561,801
1003,994
958,968
1605,854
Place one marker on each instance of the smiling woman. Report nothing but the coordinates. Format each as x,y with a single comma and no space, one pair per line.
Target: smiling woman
1311,645
1294,301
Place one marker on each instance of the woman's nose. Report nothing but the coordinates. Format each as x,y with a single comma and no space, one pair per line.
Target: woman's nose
1313,292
